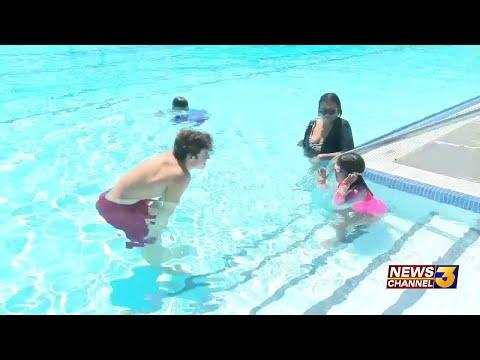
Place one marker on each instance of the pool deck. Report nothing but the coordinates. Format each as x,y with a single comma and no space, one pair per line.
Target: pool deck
447,157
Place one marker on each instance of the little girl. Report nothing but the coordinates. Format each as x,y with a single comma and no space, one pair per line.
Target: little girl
353,197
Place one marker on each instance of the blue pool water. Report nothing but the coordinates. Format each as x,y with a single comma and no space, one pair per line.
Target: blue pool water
73,119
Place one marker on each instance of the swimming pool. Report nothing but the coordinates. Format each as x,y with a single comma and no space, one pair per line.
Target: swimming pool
249,232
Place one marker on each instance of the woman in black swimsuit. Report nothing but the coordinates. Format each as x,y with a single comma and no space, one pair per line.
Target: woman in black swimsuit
328,135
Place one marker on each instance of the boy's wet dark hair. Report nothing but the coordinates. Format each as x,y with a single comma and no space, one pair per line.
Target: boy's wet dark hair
179,103
191,142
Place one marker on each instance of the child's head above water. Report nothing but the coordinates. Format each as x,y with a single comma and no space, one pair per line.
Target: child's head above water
348,163
351,162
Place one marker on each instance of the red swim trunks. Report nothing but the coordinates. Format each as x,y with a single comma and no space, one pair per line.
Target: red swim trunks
129,218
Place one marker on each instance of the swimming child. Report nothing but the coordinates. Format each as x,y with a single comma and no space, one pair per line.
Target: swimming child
181,113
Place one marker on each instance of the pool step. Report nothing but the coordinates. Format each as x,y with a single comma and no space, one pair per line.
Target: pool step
252,256
267,283
301,295
355,295
465,298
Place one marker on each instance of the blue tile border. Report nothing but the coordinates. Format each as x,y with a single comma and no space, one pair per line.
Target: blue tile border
464,201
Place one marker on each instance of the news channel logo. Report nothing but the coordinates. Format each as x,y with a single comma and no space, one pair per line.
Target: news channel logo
422,276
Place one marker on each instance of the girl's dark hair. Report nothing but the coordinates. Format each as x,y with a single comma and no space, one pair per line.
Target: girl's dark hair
331,97
353,162
191,142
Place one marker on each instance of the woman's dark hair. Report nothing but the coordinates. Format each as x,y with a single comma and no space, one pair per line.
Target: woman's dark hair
331,97
191,142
